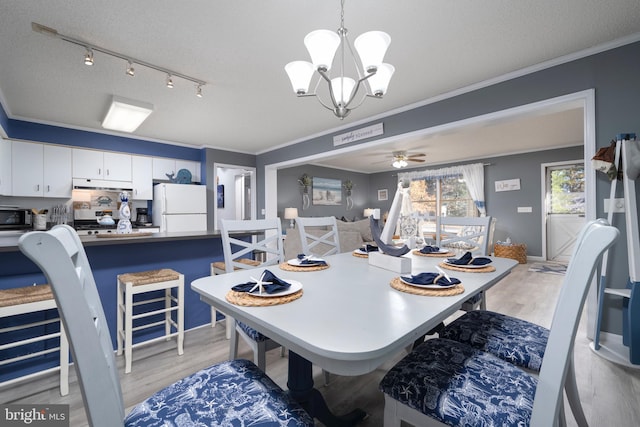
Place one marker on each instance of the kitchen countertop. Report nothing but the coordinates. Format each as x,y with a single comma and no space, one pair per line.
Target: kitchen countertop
9,242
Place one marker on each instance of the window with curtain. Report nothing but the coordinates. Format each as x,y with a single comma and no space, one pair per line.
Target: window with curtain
445,196
455,191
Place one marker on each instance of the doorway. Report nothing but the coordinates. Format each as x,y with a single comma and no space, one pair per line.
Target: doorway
235,193
564,208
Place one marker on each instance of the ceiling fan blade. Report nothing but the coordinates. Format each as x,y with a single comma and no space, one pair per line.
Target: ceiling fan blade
416,155
416,160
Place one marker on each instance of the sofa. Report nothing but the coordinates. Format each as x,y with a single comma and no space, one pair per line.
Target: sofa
351,235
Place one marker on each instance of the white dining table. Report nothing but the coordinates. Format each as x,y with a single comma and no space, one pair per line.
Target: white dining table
349,320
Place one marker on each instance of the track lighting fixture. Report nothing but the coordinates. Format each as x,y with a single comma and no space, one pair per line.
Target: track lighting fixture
130,70
88,58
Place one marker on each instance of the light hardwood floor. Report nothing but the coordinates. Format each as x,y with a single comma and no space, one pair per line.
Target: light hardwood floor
610,393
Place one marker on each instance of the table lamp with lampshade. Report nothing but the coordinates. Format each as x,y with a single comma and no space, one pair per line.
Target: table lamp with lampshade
291,214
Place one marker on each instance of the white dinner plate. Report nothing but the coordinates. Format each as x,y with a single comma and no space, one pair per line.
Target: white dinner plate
361,252
298,263
432,286
466,265
295,287
439,251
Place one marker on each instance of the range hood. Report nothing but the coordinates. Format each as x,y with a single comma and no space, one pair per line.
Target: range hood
102,184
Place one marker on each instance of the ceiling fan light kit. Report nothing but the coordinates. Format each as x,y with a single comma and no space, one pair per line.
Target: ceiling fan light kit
373,76
401,159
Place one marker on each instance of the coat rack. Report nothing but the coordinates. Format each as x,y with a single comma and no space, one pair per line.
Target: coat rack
624,350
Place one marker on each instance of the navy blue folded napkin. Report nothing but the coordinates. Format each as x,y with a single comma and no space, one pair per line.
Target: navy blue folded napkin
270,284
310,260
430,279
369,248
467,259
430,249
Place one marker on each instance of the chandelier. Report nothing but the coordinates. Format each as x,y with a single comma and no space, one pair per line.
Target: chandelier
373,75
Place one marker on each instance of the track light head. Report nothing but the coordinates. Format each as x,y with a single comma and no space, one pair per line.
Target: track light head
130,70
169,81
88,57
199,91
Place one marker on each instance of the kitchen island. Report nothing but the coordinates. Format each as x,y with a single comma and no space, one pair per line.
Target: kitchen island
190,253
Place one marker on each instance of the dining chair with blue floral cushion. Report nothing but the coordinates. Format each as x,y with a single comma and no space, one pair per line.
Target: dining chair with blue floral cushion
237,251
230,393
446,382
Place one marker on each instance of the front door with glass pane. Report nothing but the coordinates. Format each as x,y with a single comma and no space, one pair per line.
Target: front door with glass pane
565,207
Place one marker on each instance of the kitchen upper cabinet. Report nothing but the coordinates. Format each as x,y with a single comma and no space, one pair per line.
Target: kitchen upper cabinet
94,164
57,171
163,166
5,167
40,170
193,167
142,177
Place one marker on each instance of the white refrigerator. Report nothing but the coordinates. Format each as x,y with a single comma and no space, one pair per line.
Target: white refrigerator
180,207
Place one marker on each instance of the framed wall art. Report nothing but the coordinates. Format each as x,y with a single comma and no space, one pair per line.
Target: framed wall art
383,194
327,191
220,196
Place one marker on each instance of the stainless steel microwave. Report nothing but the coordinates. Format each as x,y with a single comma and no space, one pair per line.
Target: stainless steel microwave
15,219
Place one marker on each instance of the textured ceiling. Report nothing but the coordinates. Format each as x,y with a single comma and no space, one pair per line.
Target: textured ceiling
240,48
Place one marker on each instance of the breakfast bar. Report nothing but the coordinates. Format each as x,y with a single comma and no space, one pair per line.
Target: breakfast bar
190,253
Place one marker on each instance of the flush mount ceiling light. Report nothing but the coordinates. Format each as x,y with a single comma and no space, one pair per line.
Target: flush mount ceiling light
91,48
373,75
126,115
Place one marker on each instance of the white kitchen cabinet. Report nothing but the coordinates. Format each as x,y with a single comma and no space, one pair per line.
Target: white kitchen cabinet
57,180
5,167
94,164
191,166
142,177
163,166
40,170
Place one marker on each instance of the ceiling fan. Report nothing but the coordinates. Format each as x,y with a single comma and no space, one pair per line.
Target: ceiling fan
401,159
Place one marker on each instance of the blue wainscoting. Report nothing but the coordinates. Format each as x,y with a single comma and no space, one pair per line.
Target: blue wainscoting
190,257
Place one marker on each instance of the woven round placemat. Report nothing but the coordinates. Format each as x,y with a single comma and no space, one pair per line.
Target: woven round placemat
247,300
438,255
357,255
399,285
485,269
288,267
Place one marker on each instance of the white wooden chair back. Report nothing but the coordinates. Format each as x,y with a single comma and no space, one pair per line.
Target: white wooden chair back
61,257
237,251
471,234
595,238
311,242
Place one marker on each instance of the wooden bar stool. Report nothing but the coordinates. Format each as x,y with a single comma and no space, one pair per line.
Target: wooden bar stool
130,284
31,299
